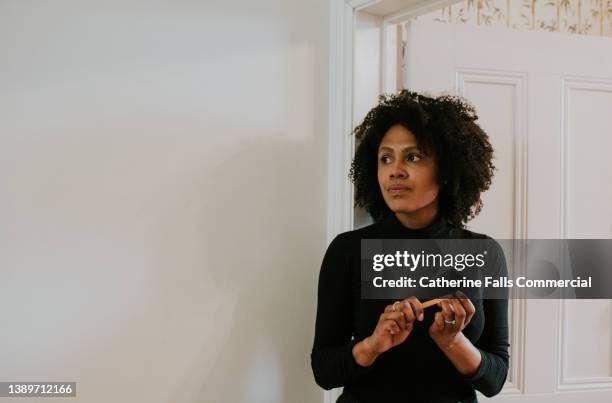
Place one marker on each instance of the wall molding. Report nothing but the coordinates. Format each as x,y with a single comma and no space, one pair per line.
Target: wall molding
518,80
566,383
569,84
340,142
340,112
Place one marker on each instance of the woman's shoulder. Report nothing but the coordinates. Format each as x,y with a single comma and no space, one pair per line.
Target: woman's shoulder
365,232
379,230
350,239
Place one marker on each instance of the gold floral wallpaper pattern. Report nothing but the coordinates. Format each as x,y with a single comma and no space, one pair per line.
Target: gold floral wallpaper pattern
586,17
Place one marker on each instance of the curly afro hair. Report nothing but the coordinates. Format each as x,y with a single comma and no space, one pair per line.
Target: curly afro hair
445,128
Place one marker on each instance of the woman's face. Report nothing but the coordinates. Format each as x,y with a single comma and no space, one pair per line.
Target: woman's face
407,177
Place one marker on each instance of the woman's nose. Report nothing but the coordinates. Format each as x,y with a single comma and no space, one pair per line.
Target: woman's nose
398,171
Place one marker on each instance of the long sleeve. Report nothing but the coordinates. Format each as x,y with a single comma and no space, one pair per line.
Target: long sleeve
493,346
332,359
493,343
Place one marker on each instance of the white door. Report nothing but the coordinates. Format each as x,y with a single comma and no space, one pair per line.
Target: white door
546,101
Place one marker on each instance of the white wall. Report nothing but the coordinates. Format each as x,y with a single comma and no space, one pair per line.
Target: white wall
162,207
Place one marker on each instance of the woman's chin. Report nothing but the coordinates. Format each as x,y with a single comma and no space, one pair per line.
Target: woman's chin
398,208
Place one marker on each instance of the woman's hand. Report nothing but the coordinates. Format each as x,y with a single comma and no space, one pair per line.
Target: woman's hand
395,324
455,315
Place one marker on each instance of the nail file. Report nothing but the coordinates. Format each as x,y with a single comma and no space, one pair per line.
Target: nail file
434,301
431,302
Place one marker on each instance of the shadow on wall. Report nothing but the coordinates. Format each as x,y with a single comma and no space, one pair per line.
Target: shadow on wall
185,252
263,286
223,307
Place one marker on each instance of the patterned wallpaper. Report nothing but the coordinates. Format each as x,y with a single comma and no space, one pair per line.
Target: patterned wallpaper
586,17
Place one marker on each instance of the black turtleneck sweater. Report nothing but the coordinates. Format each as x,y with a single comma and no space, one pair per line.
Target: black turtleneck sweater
416,370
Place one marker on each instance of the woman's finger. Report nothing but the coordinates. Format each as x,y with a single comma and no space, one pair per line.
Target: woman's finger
407,310
391,326
467,305
447,313
439,321
389,308
397,317
460,313
417,309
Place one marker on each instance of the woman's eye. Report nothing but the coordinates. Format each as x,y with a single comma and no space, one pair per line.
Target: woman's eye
413,157
385,159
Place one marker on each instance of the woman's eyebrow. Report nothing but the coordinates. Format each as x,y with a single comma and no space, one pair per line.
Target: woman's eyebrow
410,148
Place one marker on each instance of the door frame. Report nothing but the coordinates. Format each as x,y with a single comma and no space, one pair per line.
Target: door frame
341,143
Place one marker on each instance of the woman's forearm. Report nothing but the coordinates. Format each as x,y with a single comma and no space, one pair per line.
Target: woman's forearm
463,354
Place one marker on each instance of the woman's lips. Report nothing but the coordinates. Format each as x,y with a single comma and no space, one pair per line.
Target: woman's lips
397,189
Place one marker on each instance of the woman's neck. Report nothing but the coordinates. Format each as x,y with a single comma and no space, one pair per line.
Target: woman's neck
420,218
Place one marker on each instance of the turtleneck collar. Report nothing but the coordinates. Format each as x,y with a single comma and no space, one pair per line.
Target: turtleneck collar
437,229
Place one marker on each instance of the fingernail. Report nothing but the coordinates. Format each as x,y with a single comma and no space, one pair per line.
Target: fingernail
421,316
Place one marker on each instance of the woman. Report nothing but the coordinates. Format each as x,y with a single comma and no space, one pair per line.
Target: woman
419,169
